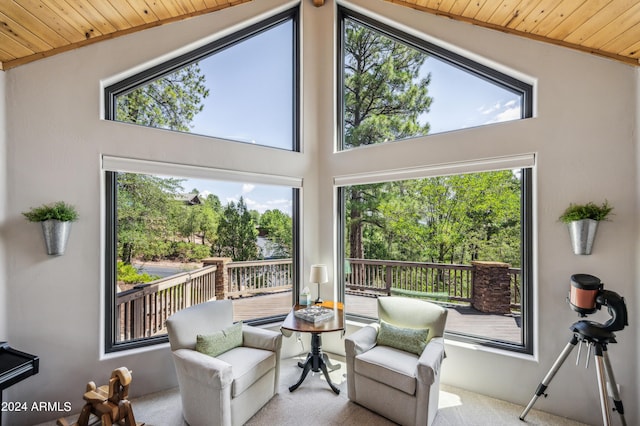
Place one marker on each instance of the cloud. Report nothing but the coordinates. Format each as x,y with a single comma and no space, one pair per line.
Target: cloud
247,187
486,110
508,114
501,112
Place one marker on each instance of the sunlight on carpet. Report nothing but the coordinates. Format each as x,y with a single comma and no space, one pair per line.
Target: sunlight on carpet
448,399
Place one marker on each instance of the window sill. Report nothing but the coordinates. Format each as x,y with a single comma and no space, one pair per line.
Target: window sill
488,349
104,356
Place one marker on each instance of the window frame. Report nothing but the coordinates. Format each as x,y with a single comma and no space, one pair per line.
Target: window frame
111,344
526,253
475,68
147,76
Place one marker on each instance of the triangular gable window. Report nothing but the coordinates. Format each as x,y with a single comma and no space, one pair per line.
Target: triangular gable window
240,88
396,86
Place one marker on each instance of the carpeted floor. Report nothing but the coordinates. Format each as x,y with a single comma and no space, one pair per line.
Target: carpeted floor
313,403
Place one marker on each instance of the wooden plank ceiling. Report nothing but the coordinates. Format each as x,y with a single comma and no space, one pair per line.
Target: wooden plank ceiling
34,29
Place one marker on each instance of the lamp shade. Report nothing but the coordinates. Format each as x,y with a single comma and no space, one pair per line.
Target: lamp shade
318,274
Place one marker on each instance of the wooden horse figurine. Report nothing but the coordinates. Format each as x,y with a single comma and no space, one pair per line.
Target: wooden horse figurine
109,402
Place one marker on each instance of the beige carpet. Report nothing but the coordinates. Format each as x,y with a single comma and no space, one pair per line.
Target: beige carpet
314,403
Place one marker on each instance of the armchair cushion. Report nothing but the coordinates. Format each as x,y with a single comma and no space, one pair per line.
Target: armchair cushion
393,367
248,365
220,341
411,340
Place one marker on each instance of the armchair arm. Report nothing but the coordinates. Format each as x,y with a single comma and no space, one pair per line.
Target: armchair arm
362,340
269,340
260,338
195,366
430,361
355,344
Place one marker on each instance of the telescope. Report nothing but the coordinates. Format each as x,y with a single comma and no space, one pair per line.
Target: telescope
586,296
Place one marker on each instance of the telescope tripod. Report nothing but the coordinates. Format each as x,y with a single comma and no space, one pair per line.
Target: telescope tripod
593,336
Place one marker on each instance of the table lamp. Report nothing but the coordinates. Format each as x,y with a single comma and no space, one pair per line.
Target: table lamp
318,275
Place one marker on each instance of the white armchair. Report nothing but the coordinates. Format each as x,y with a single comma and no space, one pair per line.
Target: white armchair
230,388
400,385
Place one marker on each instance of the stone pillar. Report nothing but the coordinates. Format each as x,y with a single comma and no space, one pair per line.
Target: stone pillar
222,274
491,287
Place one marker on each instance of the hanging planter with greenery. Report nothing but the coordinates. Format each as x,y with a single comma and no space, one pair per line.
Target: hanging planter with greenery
582,221
56,221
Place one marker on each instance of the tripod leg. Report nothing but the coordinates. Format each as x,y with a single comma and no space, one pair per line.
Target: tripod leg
552,372
617,401
604,401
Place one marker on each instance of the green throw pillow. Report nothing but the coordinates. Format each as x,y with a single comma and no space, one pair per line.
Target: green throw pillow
220,341
411,340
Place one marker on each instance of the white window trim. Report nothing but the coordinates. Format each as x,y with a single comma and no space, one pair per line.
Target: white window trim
480,165
129,165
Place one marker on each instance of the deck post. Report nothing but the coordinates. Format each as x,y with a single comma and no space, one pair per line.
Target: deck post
388,279
491,287
222,275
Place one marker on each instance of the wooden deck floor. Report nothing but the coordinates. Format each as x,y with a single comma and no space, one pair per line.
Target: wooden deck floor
459,319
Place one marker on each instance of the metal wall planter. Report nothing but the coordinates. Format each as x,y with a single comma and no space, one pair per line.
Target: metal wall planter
582,233
56,235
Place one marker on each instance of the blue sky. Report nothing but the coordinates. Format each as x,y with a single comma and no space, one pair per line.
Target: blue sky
250,101
251,89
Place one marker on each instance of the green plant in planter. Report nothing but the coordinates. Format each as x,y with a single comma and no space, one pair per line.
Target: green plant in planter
55,220
57,211
586,211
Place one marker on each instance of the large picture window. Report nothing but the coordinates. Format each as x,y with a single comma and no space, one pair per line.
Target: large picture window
176,241
460,240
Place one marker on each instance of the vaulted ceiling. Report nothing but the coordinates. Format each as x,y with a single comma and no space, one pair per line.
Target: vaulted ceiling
34,29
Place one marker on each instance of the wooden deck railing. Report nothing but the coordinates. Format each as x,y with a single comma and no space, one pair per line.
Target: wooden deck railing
143,310
439,281
448,282
260,276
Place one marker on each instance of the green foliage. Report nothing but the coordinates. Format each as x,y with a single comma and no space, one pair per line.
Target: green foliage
144,204
586,211
129,275
237,233
170,102
383,97
278,228
447,219
189,252
57,211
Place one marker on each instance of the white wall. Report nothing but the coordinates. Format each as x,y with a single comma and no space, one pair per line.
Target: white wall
3,205
635,301
583,135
